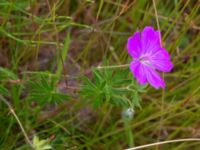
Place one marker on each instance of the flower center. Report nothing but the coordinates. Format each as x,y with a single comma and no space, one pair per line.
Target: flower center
145,60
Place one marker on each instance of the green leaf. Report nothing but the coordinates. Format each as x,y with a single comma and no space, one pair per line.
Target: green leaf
41,144
108,85
44,90
6,74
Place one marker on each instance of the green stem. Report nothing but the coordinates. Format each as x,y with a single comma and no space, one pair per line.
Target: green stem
129,133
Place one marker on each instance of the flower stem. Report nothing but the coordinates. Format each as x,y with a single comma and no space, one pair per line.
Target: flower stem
129,133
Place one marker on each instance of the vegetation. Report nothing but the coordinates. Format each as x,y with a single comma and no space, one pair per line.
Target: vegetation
65,81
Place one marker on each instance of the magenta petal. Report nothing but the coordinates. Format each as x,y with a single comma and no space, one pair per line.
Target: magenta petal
134,45
161,61
138,71
150,40
154,78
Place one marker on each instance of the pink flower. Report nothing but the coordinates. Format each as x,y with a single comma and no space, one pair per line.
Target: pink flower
148,57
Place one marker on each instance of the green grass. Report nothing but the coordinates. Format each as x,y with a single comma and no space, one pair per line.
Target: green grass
50,50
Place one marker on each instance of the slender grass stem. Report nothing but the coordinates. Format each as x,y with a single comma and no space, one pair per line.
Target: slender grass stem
164,142
53,16
16,117
163,75
115,66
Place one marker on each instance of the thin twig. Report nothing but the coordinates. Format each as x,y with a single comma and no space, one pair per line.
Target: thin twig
164,142
16,117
